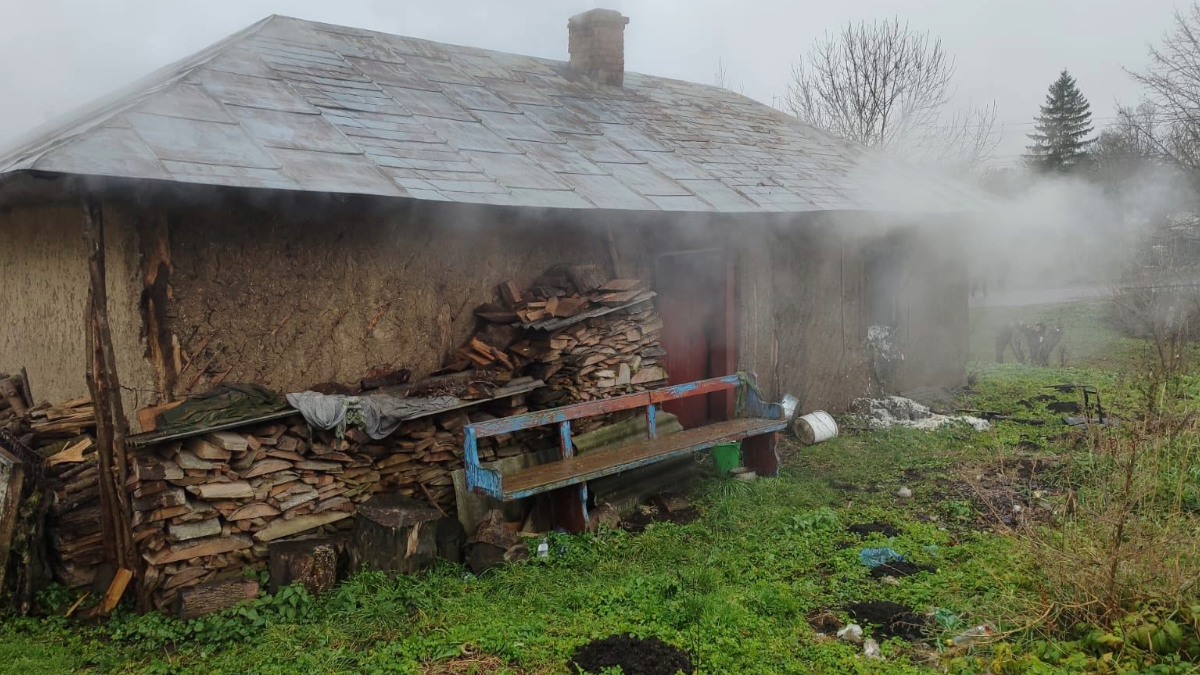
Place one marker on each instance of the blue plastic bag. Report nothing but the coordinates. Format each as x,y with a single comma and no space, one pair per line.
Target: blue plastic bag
874,557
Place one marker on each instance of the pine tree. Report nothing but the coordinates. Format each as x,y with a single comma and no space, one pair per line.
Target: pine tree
1060,141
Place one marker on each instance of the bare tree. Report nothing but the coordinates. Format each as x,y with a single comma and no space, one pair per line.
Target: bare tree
1126,147
884,85
1171,125
721,79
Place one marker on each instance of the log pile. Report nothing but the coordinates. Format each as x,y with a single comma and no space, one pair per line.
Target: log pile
14,402
208,506
586,337
615,354
64,435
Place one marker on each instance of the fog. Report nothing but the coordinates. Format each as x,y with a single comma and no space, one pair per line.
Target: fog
58,54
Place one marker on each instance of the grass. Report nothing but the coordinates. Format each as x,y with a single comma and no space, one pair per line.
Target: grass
1088,340
735,587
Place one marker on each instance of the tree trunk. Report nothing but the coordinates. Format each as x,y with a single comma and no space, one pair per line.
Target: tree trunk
394,534
105,388
310,562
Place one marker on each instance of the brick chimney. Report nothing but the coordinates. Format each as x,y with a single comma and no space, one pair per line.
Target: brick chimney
597,45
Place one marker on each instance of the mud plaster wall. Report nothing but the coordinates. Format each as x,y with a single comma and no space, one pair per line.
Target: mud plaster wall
43,267
291,298
319,295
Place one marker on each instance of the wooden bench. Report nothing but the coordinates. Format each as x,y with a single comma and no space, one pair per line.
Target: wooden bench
567,477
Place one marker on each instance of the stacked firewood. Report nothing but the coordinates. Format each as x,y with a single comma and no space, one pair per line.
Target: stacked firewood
586,337
14,401
208,506
64,435
618,353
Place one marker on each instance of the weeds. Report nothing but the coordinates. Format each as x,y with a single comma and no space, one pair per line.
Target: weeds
1106,582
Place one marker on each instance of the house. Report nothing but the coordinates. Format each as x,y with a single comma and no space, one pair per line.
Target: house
304,203
301,202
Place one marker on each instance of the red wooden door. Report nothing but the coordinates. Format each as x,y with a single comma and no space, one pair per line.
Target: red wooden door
693,297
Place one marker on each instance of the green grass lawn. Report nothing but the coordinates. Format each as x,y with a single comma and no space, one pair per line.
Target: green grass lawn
733,587
736,587
1088,339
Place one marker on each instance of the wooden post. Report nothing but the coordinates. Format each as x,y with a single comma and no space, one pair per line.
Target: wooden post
105,387
758,454
614,258
12,477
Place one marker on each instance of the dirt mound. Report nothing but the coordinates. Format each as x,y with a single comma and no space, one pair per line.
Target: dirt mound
891,619
1009,492
866,529
824,622
899,568
634,656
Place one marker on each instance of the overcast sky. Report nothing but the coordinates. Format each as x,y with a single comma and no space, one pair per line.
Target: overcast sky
57,54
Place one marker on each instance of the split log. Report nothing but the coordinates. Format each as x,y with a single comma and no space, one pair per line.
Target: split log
227,440
234,490
280,528
197,530
310,562
198,549
205,450
215,596
394,534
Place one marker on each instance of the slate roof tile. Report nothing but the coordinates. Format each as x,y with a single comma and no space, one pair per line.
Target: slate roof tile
302,105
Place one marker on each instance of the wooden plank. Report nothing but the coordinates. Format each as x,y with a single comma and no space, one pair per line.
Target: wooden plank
72,454
592,465
115,590
12,481
508,425
565,447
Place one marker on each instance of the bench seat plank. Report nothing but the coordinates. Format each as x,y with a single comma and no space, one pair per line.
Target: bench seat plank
592,465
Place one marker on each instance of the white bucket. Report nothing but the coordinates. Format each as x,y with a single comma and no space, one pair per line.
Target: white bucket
815,427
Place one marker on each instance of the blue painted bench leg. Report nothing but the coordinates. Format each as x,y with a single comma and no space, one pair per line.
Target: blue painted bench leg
758,454
569,505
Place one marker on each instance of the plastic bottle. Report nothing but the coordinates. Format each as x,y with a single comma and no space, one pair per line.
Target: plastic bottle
543,549
971,635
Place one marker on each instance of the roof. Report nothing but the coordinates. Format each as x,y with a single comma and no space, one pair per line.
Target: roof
299,105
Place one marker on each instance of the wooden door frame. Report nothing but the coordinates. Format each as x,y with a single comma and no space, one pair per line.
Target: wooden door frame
723,352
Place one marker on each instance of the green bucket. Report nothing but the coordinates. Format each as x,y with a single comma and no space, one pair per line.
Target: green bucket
727,457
